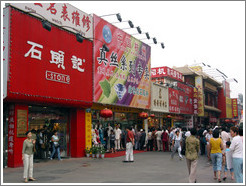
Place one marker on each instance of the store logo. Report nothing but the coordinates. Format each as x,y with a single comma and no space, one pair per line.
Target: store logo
107,35
61,78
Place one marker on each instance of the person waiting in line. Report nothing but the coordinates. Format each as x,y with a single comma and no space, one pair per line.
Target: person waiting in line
192,145
123,139
228,161
215,152
142,139
158,139
27,157
237,154
112,141
117,137
176,144
56,146
165,141
154,138
150,140
105,138
137,139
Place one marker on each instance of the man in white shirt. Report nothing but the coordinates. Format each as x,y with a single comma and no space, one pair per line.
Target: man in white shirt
158,138
117,137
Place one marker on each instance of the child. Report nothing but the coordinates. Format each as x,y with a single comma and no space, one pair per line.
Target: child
112,141
228,161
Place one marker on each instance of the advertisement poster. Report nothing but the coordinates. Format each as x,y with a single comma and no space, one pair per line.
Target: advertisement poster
173,100
61,14
199,85
226,87
228,107
234,108
159,98
122,74
88,128
195,101
166,72
48,65
185,99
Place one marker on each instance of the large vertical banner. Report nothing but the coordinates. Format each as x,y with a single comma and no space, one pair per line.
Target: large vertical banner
122,74
173,100
228,108
234,108
5,49
185,99
226,86
199,85
88,129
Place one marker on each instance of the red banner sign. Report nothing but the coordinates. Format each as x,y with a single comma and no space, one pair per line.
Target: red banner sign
166,72
48,65
195,101
185,98
173,100
234,107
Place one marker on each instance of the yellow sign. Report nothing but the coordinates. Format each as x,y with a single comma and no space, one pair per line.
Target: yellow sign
21,123
199,85
88,130
197,68
228,108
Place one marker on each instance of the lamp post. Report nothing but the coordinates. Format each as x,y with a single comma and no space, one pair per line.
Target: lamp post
117,15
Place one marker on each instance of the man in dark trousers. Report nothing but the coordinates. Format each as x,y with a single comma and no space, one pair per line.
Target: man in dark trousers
142,139
200,136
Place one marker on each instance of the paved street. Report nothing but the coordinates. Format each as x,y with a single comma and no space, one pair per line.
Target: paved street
149,167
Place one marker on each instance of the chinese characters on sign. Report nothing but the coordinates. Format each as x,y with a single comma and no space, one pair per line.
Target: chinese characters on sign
199,85
11,131
62,14
234,108
166,72
195,101
88,129
173,100
159,98
22,119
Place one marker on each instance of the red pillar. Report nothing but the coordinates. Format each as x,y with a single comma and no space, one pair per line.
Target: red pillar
15,143
77,134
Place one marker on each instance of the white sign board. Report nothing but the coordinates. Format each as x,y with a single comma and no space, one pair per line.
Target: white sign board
61,14
159,98
5,49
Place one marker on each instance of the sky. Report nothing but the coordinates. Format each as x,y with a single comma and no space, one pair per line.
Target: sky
193,32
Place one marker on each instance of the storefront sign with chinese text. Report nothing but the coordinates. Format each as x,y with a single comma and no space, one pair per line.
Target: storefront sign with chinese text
11,133
5,49
226,87
173,100
88,124
195,101
61,14
228,107
122,74
234,108
199,85
48,65
166,72
22,120
159,98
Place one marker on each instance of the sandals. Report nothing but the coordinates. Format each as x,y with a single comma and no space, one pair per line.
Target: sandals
219,180
26,181
32,179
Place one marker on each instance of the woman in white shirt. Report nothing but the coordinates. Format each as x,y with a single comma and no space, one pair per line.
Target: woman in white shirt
56,146
237,154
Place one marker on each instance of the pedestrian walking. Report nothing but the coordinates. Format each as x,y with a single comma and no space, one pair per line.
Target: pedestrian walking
228,161
215,152
237,154
112,141
176,144
129,145
158,139
27,157
208,136
192,145
55,146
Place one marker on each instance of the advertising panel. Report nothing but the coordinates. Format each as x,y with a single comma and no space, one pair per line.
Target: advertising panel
48,65
185,99
88,128
22,119
11,133
195,101
173,100
226,87
61,14
199,85
234,108
166,72
122,74
228,107
5,49
159,98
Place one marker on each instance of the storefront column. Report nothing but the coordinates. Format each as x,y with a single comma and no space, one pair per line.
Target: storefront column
77,134
17,126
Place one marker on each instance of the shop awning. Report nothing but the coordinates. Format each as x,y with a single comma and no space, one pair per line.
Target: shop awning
206,107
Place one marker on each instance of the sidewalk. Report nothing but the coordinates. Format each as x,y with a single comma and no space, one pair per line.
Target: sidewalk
149,167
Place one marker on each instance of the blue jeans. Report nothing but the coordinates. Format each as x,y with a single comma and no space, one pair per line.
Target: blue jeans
54,150
238,169
217,161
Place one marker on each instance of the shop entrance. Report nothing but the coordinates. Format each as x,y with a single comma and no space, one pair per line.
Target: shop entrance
46,120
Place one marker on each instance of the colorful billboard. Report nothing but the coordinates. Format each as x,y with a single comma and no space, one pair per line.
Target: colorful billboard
199,85
185,99
48,65
122,74
173,100
61,14
166,72
234,108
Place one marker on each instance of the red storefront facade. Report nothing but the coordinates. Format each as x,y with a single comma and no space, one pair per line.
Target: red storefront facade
49,82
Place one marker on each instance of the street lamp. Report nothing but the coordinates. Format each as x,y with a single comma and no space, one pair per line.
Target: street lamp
117,15
45,23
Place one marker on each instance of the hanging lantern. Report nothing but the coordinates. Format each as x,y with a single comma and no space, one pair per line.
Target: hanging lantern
143,115
169,116
106,113
152,115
